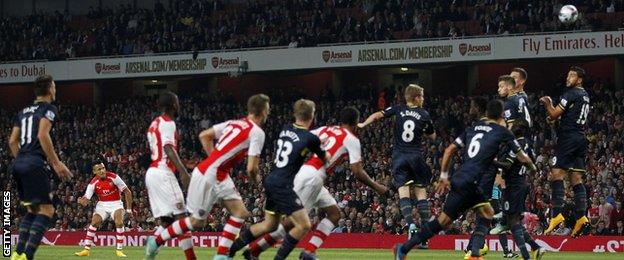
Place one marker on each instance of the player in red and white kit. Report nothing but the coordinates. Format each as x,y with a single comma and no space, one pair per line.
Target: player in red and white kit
165,195
339,142
108,187
210,181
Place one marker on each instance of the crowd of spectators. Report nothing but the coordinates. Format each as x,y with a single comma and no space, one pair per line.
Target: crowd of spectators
116,131
197,25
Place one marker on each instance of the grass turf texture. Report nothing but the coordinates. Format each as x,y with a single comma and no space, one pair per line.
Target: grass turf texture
67,252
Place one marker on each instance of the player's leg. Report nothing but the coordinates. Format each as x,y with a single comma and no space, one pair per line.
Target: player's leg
485,213
302,225
119,230
557,197
402,179
580,202
515,197
455,204
269,224
323,229
26,221
44,214
233,226
428,230
498,206
200,198
96,222
517,231
267,240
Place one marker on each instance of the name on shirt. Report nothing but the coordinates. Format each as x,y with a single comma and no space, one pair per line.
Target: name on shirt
483,128
410,113
242,124
290,134
30,109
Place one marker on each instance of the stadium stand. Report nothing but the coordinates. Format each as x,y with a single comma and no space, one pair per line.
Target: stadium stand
194,25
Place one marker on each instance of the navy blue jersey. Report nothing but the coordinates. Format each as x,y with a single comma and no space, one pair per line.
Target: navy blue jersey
483,143
410,124
517,108
28,122
293,145
517,171
575,105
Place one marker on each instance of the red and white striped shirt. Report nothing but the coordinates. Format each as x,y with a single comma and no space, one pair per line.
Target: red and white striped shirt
338,142
237,138
107,189
162,132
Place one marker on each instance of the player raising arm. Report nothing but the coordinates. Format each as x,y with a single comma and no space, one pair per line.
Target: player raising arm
408,164
570,150
483,143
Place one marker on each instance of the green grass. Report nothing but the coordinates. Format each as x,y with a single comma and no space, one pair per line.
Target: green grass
66,252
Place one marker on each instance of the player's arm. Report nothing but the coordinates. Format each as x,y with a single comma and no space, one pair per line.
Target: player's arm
84,200
521,156
206,138
362,176
526,160
354,149
14,144
553,112
175,159
121,185
444,184
429,131
45,126
371,119
256,143
128,197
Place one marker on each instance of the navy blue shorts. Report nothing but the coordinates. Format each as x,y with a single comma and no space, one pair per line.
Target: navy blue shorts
33,180
463,196
487,181
515,198
570,152
281,199
410,168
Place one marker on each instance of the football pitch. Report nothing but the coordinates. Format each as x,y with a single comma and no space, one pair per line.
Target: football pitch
67,252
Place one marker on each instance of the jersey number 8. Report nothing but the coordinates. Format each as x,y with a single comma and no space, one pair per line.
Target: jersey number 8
408,131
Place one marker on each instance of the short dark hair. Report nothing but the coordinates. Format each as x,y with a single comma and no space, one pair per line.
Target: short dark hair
166,100
480,103
509,80
523,74
580,72
100,160
257,103
495,109
520,128
349,116
43,84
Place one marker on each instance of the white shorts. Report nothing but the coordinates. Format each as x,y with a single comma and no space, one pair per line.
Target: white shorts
107,209
309,187
204,191
165,194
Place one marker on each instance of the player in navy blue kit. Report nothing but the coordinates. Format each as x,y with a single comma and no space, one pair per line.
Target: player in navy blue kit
482,143
294,144
32,147
570,149
514,174
408,163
